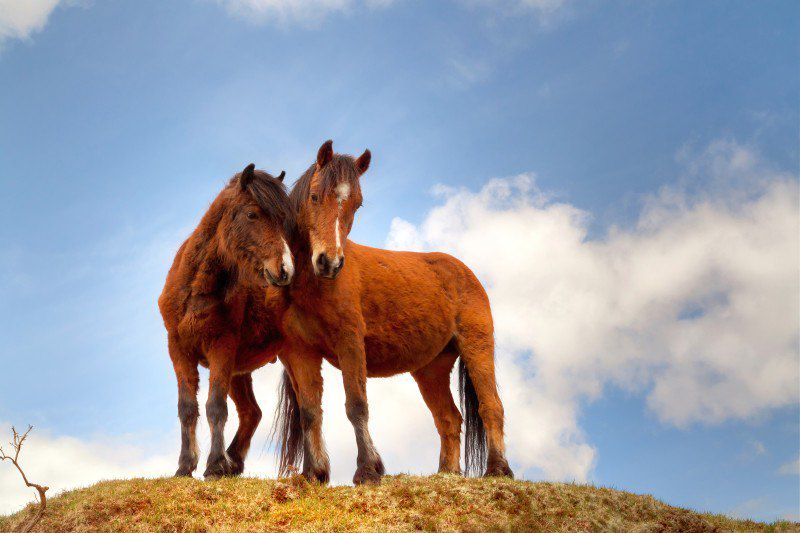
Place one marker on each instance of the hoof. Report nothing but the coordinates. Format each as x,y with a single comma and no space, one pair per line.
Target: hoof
379,468
452,471
499,468
236,463
237,467
219,468
317,476
184,471
367,474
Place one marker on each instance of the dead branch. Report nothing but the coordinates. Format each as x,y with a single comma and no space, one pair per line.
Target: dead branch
16,445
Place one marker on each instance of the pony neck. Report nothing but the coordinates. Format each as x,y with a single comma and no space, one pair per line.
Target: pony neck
301,252
211,264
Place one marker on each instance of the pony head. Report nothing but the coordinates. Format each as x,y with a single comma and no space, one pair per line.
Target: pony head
253,227
325,200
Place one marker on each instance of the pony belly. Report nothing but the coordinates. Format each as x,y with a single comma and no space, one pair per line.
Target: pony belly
411,341
333,360
382,363
255,360
257,355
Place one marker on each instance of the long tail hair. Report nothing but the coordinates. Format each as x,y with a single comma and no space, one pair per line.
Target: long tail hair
287,431
474,432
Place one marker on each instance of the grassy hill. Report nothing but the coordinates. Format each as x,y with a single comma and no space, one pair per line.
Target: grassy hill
400,503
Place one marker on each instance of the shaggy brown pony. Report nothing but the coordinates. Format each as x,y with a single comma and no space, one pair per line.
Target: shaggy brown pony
221,305
383,314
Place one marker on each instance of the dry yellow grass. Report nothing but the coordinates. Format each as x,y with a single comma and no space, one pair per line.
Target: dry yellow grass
400,503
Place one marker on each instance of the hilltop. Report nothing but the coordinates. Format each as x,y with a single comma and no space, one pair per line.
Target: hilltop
400,503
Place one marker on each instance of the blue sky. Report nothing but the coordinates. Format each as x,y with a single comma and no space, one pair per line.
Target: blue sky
120,121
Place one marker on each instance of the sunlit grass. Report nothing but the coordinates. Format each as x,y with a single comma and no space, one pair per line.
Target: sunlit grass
399,503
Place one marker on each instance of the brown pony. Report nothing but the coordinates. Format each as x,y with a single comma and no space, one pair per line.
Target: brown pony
385,313
221,306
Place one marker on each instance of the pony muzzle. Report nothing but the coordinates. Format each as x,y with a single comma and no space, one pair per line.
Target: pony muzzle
283,276
326,267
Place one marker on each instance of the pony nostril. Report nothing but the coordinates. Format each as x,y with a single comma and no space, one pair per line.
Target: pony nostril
284,275
322,261
340,265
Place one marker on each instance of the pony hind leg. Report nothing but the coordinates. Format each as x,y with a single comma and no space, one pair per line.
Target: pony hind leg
481,405
433,381
188,410
241,392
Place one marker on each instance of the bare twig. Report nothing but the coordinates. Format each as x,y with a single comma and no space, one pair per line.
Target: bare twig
16,445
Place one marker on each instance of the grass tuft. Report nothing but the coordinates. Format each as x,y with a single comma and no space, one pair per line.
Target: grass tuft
399,503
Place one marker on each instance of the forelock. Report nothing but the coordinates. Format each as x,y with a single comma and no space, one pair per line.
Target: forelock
271,196
341,169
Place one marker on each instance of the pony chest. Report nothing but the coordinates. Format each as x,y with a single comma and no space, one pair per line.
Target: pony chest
310,326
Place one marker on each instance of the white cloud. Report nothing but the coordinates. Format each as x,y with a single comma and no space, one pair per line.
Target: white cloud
792,468
65,462
312,11
759,448
696,306
398,418
308,11
20,18
545,11
544,7
748,508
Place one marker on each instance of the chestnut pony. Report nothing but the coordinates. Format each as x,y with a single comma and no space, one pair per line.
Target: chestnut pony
385,313
221,305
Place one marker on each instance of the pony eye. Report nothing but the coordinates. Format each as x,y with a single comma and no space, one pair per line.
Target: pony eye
314,198
252,215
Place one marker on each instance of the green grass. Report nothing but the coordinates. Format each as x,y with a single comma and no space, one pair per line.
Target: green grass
399,503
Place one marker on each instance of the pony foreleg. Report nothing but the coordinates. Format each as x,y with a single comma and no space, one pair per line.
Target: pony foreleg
304,367
354,374
188,411
241,393
221,356
434,384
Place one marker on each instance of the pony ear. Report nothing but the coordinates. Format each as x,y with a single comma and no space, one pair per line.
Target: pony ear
281,176
247,176
362,163
325,154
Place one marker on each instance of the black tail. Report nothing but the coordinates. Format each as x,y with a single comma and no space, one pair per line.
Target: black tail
474,432
287,431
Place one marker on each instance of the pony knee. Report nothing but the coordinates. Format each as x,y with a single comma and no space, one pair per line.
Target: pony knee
449,424
251,416
357,410
217,405
492,415
452,426
188,411
309,417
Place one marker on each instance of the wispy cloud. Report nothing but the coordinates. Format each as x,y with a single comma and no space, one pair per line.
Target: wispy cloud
545,12
65,462
792,468
295,11
306,12
21,18
749,507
